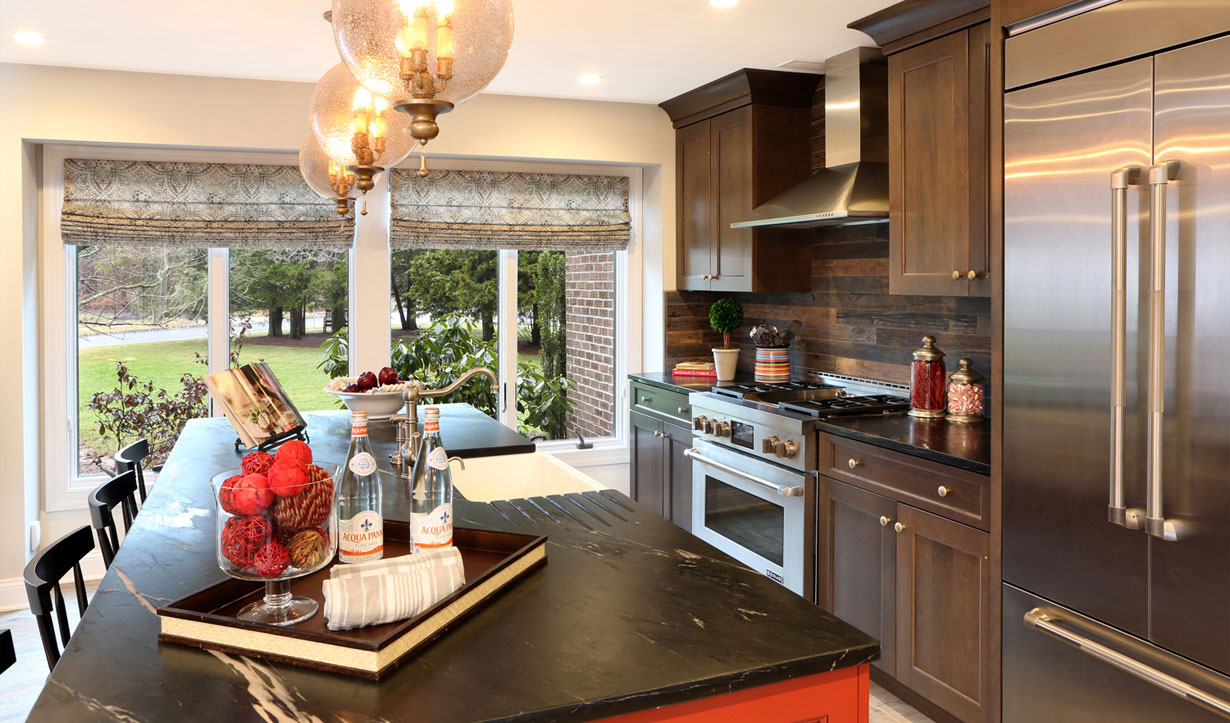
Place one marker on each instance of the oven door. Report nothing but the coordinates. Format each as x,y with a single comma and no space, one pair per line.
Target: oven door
760,513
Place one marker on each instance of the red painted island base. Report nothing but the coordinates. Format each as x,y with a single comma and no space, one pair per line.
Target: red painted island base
837,697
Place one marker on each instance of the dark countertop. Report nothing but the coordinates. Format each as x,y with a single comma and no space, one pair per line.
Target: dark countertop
629,613
967,446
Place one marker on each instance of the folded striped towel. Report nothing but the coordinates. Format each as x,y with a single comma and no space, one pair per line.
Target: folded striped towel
381,591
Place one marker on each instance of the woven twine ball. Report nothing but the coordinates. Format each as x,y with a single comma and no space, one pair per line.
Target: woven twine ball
242,537
256,463
307,549
309,508
271,560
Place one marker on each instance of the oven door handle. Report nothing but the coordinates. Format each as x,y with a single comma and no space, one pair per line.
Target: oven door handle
783,490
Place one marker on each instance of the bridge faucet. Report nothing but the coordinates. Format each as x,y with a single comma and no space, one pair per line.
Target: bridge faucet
405,455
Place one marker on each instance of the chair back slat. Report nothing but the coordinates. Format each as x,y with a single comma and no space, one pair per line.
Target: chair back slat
42,579
119,491
8,652
130,458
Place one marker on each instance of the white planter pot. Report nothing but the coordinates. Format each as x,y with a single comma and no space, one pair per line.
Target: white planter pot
726,360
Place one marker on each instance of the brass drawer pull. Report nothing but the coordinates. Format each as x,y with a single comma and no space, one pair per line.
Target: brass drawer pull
972,275
942,491
853,463
682,410
884,521
899,527
955,274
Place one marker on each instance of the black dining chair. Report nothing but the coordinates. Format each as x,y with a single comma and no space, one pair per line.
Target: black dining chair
120,492
8,653
42,576
130,459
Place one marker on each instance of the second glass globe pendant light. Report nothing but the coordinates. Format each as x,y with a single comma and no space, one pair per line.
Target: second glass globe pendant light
427,55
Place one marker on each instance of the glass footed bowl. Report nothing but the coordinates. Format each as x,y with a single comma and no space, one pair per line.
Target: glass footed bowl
264,537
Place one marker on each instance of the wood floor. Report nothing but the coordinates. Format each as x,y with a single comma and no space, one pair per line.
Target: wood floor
21,684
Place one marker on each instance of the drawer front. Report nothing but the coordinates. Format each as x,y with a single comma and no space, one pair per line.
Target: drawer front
953,493
661,403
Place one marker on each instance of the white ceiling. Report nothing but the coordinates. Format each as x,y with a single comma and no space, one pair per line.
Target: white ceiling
646,50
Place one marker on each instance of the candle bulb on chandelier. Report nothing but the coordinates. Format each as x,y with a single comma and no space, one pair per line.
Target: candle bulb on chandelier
418,38
444,39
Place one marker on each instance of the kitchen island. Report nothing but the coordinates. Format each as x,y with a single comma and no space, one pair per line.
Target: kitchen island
631,616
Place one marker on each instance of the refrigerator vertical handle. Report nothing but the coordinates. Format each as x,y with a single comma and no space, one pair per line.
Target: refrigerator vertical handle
1156,524
1117,510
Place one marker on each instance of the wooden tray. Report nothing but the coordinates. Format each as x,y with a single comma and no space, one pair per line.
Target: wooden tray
206,619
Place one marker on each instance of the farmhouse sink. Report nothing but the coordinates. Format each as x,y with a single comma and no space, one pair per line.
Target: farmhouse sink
516,476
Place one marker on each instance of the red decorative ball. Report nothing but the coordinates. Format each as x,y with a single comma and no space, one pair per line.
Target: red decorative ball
296,450
271,560
241,537
257,463
287,478
250,495
306,510
225,493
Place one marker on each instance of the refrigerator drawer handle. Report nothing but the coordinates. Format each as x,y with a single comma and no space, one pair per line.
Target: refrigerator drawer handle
1117,510
783,490
1156,524
1044,622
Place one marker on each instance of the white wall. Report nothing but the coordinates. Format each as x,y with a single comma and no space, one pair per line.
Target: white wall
69,105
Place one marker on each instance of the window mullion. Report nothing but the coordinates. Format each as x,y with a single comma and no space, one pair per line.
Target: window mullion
507,336
218,316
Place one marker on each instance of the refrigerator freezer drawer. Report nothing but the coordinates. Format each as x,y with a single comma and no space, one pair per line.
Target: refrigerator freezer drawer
1115,676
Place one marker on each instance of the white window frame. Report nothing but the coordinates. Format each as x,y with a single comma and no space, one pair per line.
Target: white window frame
63,489
628,305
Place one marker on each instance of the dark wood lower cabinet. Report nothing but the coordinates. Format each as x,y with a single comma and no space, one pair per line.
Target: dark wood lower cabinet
661,475
918,582
943,606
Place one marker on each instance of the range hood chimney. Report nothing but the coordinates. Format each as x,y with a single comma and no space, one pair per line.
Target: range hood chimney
853,187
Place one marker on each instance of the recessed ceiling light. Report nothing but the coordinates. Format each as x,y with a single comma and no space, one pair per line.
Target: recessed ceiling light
723,3
590,79
29,37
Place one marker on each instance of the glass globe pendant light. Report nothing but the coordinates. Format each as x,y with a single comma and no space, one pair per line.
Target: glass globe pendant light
427,55
357,129
328,178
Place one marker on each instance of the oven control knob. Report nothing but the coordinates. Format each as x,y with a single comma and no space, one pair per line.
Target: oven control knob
787,449
722,429
706,425
698,423
769,445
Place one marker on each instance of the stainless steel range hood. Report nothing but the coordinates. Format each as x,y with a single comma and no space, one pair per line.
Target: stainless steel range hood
853,187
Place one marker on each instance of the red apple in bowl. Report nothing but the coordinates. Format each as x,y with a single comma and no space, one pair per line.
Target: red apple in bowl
352,389
388,375
367,380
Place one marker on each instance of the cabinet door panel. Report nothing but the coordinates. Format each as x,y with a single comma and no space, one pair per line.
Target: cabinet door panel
648,484
929,132
860,557
678,473
731,164
694,205
979,248
943,611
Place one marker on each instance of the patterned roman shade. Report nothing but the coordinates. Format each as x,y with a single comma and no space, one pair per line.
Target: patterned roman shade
505,210
160,203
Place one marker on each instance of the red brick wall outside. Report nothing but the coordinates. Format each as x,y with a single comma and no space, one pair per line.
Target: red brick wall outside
589,280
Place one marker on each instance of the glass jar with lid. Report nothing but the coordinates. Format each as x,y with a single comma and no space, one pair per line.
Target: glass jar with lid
927,381
966,394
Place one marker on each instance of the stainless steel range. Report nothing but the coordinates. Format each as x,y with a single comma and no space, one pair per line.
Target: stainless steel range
754,462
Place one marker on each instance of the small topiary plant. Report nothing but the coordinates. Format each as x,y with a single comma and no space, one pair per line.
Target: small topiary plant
725,316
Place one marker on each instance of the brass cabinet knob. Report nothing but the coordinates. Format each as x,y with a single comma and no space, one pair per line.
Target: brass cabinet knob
972,275
899,527
787,449
853,463
682,410
769,445
884,521
956,275
942,491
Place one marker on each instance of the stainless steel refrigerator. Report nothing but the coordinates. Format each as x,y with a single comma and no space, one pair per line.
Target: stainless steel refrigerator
1116,488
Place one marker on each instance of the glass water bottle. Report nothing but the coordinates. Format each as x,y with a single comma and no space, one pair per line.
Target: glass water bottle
361,525
431,490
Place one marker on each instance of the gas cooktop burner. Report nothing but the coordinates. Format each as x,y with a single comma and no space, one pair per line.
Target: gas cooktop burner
779,392
846,406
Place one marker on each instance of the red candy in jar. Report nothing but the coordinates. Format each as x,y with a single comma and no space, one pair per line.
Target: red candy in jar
927,378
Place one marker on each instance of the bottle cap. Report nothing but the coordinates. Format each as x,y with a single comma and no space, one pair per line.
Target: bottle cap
431,413
358,417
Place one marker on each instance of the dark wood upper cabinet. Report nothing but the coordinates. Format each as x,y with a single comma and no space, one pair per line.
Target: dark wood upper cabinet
943,626
938,170
740,141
